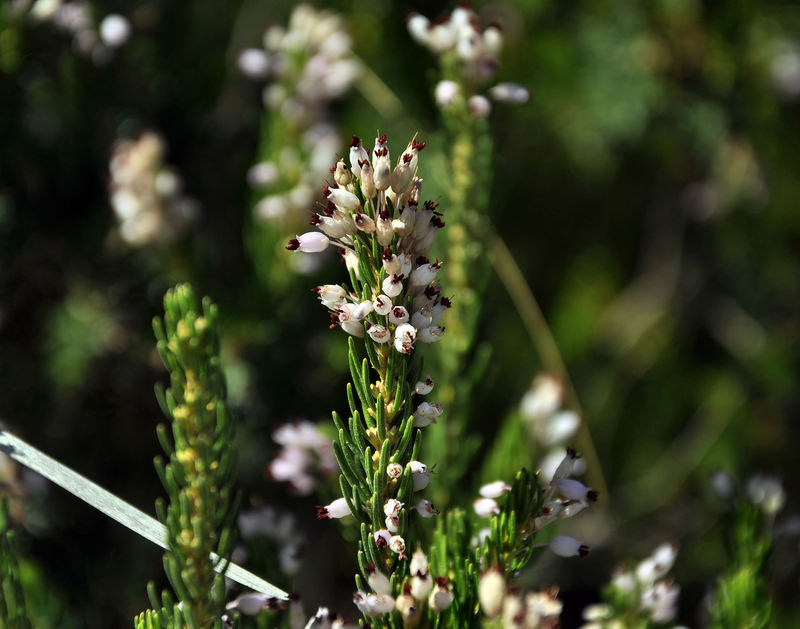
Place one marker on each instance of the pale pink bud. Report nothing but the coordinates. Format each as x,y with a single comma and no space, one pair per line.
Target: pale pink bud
418,26
494,490
491,592
446,93
392,523
566,546
575,490
405,333
378,581
510,93
337,509
441,596
485,507
353,327
479,106
419,562
310,242
421,583
364,223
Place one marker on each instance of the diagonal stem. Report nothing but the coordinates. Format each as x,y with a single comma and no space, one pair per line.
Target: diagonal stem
542,339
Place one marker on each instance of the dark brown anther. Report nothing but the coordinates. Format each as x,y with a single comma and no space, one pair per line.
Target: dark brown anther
417,145
387,254
293,245
355,141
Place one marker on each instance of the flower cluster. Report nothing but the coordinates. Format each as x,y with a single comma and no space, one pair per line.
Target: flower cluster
534,610
372,213
471,53
146,195
307,65
75,18
419,589
643,592
306,457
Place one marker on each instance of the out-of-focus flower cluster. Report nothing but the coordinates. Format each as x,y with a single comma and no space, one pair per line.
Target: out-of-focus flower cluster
306,456
643,592
469,56
147,196
549,424
279,527
96,41
307,65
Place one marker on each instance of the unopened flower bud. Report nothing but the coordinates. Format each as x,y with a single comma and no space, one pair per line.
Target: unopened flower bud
492,591
446,93
419,562
566,546
479,106
342,175
575,490
253,603
510,93
337,509
409,611
343,199
441,596
378,581
310,242
485,507
495,489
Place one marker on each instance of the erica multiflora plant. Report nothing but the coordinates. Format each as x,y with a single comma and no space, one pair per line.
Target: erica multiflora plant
372,213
